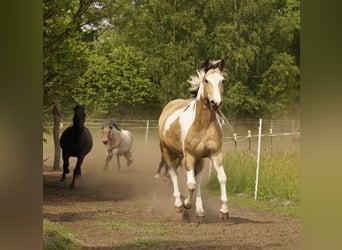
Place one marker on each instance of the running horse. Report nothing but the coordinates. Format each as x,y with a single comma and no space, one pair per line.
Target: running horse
76,141
190,129
117,141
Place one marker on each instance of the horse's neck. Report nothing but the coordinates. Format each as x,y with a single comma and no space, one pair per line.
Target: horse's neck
78,125
204,115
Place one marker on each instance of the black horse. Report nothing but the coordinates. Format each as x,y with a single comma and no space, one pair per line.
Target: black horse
76,141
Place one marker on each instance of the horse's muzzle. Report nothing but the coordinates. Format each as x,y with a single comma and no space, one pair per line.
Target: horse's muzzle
215,105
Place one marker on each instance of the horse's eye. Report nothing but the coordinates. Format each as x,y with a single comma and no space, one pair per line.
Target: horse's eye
206,81
111,127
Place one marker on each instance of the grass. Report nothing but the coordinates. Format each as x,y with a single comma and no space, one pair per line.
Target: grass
278,185
56,236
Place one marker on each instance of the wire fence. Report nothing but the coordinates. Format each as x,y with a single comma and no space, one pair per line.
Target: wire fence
277,135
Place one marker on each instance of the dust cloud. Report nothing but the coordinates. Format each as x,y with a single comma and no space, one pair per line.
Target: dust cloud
134,185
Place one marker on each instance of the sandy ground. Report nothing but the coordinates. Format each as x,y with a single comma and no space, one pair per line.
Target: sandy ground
128,209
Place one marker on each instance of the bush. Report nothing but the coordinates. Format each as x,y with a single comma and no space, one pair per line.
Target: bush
279,175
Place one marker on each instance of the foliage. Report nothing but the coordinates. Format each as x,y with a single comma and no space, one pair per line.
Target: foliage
55,236
119,56
116,80
279,175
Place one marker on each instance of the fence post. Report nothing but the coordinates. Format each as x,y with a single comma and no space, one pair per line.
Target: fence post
235,140
258,161
249,140
146,136
271,146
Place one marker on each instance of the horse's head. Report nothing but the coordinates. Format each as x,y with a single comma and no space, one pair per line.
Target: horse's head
79,116
213,83
209,83
108,130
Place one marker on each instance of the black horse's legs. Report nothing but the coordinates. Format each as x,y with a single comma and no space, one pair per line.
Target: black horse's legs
65,166
77,170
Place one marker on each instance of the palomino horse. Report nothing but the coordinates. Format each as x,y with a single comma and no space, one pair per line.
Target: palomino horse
75,141
191,129
117,141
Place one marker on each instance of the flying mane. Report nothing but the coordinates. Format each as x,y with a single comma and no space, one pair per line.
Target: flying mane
195,80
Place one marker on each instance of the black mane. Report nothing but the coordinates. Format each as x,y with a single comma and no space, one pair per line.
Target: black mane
79,117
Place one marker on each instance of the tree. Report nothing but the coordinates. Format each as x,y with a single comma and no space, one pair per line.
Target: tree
117,80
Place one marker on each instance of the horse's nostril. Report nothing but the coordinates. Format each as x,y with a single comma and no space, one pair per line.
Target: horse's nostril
104,142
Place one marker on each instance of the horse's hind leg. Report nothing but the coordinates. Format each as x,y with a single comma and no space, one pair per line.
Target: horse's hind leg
77,170
161,164
65,166
128,156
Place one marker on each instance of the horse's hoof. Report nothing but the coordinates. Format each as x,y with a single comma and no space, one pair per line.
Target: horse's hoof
157,177
129,163
179,209
187,206
224,216
200,214
72,186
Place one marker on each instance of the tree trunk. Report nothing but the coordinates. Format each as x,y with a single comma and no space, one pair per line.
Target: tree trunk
56,126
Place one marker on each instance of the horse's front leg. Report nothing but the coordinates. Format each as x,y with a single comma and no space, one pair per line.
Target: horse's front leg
199,203
118,160
191,182
77,170
108,159
65,166
217,161
176,192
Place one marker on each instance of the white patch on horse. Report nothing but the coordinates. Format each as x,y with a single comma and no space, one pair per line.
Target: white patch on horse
174,116
186,118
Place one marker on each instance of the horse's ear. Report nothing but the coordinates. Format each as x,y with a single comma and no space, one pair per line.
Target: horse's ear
222,64
205,65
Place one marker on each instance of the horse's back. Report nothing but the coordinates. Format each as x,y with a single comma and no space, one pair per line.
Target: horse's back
126,141
170,108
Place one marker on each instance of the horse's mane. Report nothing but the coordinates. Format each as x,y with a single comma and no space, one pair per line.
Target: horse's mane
111,122
79,116
195,80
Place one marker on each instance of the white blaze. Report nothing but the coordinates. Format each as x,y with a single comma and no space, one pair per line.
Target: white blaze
215,79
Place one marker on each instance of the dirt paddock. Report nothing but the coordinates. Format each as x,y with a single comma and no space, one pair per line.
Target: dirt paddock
128,209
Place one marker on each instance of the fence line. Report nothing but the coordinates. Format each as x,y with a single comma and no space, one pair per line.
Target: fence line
234,134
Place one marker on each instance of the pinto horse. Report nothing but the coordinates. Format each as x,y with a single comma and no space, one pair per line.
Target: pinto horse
190,129
76,141
117,141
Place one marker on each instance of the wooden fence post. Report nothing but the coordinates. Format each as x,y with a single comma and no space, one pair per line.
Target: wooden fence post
146,136
56,127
